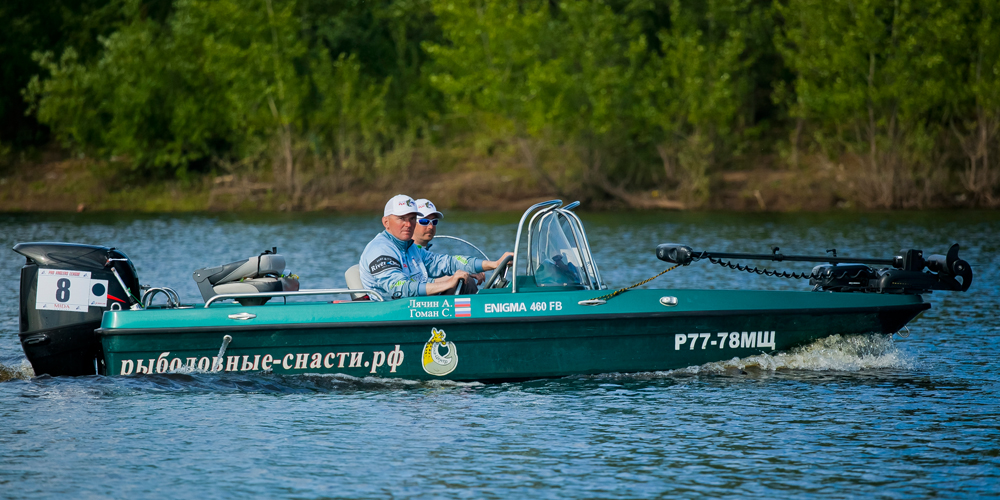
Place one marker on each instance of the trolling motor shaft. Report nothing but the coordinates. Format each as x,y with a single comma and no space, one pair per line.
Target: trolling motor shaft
848,274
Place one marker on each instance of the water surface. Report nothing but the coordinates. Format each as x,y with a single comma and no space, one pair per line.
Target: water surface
846,417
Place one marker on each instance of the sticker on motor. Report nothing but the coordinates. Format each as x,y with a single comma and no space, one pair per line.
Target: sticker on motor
71,291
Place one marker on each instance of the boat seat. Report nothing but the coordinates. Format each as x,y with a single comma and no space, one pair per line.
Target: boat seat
353,277
260,274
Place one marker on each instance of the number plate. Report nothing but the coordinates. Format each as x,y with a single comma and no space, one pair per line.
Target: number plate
71,291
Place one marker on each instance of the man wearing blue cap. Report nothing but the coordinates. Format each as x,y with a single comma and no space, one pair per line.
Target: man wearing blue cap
395,267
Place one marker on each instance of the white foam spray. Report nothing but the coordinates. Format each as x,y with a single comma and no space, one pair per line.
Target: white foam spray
848,353
22,371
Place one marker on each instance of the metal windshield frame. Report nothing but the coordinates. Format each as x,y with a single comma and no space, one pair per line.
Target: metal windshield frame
588,258
517,239
546,209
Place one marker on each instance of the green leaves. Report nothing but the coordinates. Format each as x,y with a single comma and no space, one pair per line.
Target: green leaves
883,79
598,97
218,80
583,74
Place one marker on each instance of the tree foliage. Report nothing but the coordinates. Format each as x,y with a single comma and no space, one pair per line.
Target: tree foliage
886,80
600,98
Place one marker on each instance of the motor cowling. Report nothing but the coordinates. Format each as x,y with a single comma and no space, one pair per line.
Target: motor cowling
841,277
65,290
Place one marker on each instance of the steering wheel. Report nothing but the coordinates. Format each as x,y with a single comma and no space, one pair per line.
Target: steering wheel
501,270
458,289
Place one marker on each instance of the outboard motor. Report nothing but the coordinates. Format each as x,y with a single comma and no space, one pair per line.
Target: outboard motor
65,289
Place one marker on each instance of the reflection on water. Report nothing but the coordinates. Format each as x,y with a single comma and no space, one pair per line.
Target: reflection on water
844,417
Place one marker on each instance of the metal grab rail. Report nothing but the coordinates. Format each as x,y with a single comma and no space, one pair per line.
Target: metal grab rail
579,235
329,291
539,215
173,300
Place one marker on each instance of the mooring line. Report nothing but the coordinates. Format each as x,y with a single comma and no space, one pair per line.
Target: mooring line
643,282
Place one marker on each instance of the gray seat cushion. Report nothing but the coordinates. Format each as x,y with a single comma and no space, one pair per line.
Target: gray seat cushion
235,271
259,274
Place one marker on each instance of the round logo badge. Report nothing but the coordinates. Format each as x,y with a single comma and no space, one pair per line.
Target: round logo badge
433,361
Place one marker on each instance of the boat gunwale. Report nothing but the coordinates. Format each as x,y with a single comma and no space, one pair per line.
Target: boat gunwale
915,307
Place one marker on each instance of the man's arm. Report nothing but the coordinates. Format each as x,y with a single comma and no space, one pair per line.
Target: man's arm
440,265
489,265
447,283
448,269
443,266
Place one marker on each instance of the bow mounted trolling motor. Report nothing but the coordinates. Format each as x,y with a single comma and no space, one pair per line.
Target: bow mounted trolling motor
65,290
905,274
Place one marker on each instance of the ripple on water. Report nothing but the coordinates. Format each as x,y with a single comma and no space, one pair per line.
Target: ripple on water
844,417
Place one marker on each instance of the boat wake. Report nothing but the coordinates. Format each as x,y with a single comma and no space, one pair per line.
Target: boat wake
22,371
837,353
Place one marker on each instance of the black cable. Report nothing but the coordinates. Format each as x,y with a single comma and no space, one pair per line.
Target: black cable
779,274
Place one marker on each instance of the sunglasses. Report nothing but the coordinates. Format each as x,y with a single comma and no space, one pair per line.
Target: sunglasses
424,222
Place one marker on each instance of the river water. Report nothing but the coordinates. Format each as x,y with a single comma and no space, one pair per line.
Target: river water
911,417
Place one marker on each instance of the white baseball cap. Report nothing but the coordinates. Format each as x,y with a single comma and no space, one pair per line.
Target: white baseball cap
400,205
425,207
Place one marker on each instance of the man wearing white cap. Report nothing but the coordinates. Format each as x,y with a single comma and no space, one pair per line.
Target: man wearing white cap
427,222
392,265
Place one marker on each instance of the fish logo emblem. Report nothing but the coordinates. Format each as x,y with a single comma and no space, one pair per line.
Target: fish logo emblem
433,362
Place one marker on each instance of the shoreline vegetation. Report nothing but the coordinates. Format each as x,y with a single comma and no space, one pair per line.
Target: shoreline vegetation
323,105
78,185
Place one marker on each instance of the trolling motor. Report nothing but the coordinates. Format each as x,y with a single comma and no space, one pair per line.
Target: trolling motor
840,274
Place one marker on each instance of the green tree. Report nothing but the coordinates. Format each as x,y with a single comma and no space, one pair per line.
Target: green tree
872,78
974,99
218,81
582,75
697,89
143,101
46,25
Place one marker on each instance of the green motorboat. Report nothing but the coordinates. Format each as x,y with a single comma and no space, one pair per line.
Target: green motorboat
83,312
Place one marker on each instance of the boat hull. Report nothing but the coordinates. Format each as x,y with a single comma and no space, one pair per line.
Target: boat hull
498,337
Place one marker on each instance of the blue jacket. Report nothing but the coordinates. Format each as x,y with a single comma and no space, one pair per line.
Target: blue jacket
398,269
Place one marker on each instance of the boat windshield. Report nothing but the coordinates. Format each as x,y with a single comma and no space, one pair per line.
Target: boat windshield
554,253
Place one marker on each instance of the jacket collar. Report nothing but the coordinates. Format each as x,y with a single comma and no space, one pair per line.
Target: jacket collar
400,244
